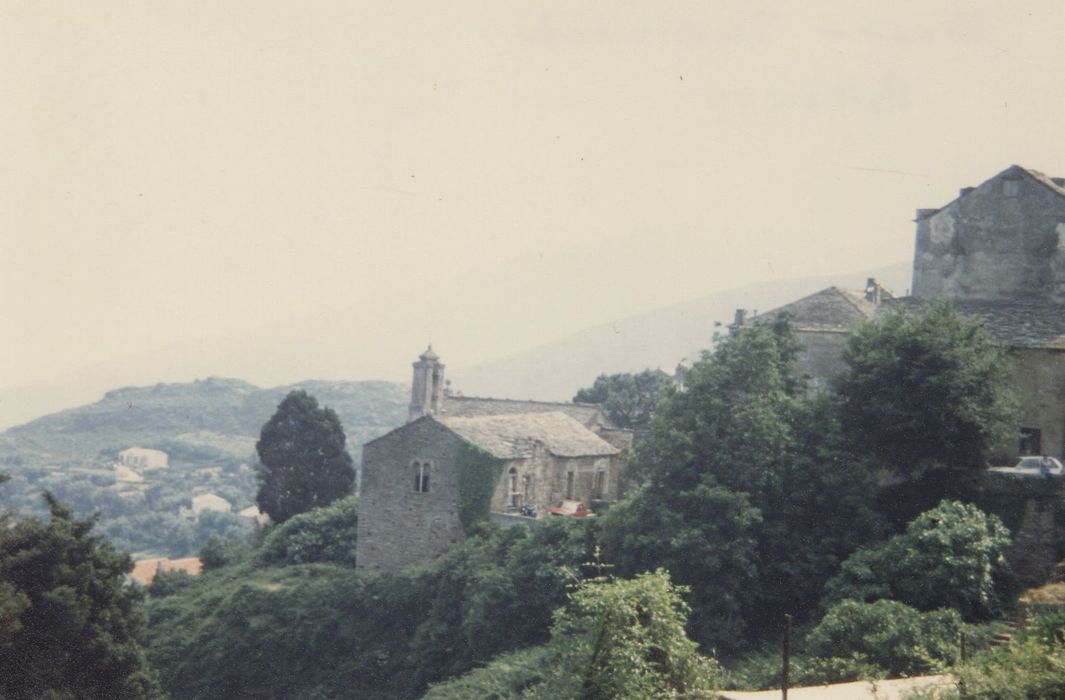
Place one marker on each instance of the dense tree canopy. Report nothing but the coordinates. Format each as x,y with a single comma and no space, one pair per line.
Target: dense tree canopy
323,631
69,624
629,400
748,498
302,460
925,389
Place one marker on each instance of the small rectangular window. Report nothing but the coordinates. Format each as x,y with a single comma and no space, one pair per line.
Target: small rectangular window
599,489
421,476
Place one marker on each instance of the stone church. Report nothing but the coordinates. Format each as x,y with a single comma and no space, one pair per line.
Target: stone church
539,453
997,253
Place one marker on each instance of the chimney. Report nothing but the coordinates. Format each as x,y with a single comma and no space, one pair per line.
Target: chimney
741,318
872,291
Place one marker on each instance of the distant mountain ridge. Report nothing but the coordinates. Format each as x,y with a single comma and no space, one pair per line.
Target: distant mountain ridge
226,414
657,339
553,371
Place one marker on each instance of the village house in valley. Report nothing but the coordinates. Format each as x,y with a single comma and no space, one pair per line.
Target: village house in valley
997,253
457,455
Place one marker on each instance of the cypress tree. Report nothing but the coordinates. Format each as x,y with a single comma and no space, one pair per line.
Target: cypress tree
302,460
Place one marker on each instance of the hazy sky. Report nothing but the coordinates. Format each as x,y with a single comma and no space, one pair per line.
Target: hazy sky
487,175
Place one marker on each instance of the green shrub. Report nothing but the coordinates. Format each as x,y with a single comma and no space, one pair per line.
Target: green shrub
321,535
855,640
952,556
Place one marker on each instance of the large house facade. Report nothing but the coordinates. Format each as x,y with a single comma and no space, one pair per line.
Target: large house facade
413,484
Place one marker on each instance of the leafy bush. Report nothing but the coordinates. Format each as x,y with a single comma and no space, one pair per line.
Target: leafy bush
325,534
952,556
507,677
615,638
886,638
168,583
1029,669
302,629
220,551
618,638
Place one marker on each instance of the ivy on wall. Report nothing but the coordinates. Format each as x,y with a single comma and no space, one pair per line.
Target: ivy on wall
478,474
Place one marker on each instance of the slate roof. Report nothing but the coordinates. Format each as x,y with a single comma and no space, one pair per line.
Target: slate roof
514,436
1044,179
829,310
469,406
1009,173
1017,324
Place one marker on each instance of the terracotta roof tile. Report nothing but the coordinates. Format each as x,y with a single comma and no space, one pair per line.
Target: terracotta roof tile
144,570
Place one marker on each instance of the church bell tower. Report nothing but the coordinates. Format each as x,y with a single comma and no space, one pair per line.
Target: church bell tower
427,389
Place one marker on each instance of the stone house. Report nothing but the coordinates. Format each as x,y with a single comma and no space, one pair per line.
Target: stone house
457,455
997,253
821,322
143,458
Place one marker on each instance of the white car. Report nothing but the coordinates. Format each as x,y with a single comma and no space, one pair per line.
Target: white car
1032,465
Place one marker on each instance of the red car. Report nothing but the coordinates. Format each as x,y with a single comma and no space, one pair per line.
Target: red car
571,508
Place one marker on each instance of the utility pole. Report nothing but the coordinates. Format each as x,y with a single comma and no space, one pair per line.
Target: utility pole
786,675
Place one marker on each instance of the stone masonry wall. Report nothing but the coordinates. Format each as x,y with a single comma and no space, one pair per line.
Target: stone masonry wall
1003,240
398,526
1036,547
547,480
1039,379
819,358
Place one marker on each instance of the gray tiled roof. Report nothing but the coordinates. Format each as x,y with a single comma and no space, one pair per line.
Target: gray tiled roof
1010,173
470,406
1018,324
1044,179
831,309
515,435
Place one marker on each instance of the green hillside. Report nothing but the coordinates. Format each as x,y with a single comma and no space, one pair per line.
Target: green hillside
208,429
222,413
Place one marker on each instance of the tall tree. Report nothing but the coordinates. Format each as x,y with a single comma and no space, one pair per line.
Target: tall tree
629,400
68,624
748,498
925,389
302,460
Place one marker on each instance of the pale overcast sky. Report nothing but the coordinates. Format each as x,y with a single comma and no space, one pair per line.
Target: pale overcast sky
487,175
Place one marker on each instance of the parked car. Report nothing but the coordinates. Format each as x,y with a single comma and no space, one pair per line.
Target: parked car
571,508
1033,465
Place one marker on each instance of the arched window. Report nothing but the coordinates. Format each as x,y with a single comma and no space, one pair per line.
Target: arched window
599,489
421,476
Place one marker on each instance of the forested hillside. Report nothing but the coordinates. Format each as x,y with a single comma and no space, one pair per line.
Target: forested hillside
223,414
207,428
